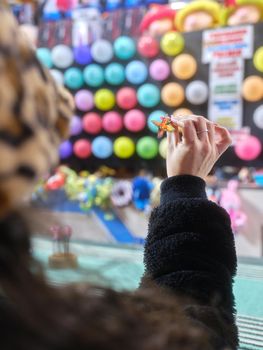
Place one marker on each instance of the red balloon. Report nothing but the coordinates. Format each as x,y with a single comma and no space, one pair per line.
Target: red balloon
92,123
126,98
148,46
82,148
112,122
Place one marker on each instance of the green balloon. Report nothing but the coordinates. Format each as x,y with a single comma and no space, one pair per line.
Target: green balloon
147,147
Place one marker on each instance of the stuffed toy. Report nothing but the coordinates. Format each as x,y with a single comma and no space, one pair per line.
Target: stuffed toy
158,21
198,15
238,12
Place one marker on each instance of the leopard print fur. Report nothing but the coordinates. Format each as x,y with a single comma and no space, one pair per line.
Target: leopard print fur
34,115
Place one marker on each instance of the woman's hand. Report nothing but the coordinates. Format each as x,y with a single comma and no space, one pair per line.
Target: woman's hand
201,144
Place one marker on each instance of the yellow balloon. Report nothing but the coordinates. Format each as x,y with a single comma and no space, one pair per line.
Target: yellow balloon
252,88
172,94
163,148
184,66
182,111
172,43
104,99
258,59
123,147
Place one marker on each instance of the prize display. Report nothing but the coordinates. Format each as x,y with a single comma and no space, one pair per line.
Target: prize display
124,84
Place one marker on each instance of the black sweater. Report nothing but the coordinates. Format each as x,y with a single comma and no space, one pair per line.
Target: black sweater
190,249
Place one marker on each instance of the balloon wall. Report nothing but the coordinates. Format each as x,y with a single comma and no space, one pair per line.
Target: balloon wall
120,86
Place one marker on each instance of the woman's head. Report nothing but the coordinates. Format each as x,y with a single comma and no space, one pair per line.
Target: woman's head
34,115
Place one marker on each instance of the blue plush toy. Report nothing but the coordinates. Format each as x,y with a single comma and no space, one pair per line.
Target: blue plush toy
141,192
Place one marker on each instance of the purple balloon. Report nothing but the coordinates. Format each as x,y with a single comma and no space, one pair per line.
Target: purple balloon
65,149
75,126
84,100
82,55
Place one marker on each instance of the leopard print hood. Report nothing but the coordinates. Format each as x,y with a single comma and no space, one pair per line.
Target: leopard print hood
34,115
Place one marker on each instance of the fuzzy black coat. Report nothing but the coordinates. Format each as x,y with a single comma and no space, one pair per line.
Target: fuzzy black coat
190,249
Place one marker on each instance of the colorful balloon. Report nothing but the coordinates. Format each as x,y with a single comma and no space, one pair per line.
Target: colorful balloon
182,111
82,55
159,70
114,74
57,76
92,123
252,89
148,46
104,99
123,147
62,56
134,120
65,149
136,72
172,94
93,75
147,147
126,98
197,92
155,116
163,148
148,95
124,48
258,117
248,148
112,122
258,59
172,43
184,66
75,126
82,148
84,100
101,51
102,147
73,78
44,56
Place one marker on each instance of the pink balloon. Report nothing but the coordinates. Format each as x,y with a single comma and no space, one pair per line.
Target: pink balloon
112,122
126,98
82,148
92,123
134,120
249,148
159,70
84,100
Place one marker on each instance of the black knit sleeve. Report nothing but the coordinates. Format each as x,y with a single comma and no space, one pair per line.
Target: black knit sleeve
190,246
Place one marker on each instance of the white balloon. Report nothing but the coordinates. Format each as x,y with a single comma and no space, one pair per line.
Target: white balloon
58,76
258,117
102,51
62,56
197,92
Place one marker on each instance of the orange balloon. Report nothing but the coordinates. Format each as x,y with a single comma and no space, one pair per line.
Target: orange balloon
252,88
184,66
182,111
172,94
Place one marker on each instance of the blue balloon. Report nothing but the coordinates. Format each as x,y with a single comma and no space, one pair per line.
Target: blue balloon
65,149
114,74
93,75
102,147
136,72
148,95
82,54
44,56
155,116
124,48
73,78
